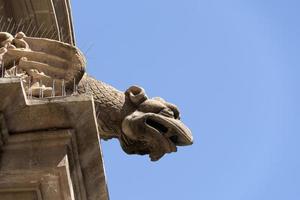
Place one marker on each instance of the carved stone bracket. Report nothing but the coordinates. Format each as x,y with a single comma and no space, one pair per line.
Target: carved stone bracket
42,164
50,147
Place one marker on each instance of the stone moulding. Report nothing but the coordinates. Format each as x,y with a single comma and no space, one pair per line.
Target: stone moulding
49,147
43,150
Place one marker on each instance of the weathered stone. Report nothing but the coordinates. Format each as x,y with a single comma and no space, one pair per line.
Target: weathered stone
39,18
49,147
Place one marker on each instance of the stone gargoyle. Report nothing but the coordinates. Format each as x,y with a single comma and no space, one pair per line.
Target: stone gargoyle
52,68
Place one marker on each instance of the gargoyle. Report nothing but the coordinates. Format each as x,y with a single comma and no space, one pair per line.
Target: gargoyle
52,68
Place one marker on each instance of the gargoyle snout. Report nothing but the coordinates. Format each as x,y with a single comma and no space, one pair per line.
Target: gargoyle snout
171,128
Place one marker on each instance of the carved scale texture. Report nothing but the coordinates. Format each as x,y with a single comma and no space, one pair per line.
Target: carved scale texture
109,105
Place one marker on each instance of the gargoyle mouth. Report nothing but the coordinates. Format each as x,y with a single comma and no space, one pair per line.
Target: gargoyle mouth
173,129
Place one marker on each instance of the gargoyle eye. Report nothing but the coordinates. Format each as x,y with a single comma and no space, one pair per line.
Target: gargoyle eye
167,112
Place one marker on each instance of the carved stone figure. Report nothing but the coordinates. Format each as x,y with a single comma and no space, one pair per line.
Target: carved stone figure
51,68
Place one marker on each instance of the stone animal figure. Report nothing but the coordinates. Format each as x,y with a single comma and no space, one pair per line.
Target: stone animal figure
142,125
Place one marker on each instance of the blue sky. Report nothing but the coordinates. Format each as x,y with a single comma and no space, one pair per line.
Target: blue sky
233,69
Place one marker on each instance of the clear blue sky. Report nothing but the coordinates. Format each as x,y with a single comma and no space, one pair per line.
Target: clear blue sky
233,68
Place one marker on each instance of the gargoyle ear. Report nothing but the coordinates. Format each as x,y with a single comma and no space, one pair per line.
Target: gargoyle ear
169,105
136,95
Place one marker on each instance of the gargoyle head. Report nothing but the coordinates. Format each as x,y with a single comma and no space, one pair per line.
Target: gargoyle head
154,128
